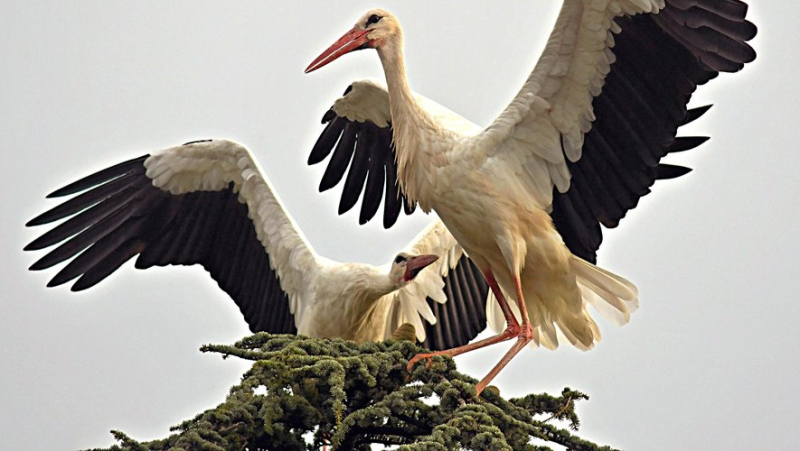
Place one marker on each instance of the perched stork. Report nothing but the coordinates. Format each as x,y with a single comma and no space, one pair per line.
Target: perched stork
576,148
208,203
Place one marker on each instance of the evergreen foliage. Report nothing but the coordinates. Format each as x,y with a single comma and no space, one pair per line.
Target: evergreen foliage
306,394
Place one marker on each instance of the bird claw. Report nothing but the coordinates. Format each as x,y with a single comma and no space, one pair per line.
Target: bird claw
417,358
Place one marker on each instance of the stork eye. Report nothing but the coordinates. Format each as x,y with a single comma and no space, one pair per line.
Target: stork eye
373,19
399,259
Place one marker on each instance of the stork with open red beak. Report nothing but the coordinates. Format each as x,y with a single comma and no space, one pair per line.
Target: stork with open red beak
576,148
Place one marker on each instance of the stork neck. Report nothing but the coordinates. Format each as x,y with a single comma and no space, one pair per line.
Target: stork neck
401,99
366,282
382,285
412,125
362,297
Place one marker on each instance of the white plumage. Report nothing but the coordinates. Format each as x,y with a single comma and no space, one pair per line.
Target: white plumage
496,188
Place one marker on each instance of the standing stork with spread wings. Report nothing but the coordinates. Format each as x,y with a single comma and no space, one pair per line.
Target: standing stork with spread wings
576,148
208,203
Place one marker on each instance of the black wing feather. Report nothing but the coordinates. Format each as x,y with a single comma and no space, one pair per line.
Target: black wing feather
85,200
686,143
373,192
354,183
99,177
340,159
328,138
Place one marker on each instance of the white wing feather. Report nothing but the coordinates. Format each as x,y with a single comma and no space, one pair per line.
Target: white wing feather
211,166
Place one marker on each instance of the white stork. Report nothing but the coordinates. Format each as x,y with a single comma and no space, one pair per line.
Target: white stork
208,203
576,148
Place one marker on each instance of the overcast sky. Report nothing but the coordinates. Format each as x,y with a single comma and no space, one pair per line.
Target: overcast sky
710,361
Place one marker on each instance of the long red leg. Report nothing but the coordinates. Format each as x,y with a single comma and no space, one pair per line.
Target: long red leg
510,318
523,338
512,329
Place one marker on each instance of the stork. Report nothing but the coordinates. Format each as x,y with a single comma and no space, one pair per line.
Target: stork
207,202
576,148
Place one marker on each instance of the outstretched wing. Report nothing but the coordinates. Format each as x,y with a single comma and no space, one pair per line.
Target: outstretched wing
359,134
446,302
206,203
603,104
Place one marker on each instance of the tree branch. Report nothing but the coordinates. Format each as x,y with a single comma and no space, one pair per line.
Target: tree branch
353,395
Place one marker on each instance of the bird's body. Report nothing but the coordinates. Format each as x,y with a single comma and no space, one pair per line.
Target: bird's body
354,306
499,189
491,214
207,202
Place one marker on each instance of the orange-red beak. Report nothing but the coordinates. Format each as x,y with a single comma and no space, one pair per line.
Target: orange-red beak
417,264
352,40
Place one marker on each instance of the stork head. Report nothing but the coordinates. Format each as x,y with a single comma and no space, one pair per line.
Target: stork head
405,267
373,30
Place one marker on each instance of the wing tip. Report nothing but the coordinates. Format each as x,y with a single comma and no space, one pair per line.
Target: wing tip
684,143
695,113
61,192
669,171
37,221
33,246
55,281
328,116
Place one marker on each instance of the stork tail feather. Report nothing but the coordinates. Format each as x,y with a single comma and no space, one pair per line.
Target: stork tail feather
613,296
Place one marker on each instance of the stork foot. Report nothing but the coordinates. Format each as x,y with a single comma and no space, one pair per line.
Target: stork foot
428,360
524,336
512,330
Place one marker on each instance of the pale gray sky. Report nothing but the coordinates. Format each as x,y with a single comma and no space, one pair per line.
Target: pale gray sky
710,361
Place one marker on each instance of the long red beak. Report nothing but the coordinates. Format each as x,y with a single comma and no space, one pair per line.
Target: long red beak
352,40
418,263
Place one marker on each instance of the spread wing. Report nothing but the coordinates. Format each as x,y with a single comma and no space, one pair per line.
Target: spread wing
205,203
446,302
358,133
603,104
